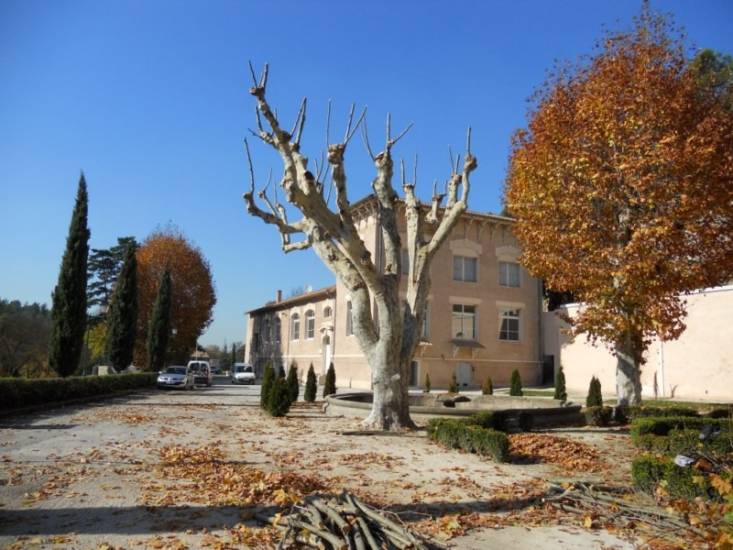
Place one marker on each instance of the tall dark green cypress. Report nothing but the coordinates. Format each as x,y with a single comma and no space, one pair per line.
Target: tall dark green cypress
69,313
122,315
160,324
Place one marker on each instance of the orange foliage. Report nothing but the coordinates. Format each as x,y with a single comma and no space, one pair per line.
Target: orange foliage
192,297
622,186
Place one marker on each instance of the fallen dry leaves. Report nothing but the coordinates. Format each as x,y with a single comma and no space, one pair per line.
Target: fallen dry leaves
560,451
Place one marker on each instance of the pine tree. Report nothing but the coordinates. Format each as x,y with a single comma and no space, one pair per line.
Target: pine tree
69,313
488,387
310,385
293,382
453,387
515,388
560,391
159,329
329,388
268,379
594,399
122,315
427,383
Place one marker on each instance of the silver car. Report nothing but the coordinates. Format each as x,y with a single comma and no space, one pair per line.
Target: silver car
175,377
242,374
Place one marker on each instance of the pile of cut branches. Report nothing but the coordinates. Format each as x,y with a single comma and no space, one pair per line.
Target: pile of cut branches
344,523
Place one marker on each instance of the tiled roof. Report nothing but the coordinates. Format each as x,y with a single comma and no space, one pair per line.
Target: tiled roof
328,292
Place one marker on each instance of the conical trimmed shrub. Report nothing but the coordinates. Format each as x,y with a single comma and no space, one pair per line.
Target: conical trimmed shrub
311,385
515,385
293,383
278,403
560,391
329,387
427,383
594,399
488,387
453,388
268,379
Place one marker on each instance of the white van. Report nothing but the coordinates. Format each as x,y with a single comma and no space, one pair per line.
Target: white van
201,371
242,374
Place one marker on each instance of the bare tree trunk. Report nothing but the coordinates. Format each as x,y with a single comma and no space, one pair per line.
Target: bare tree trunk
390,380
628,372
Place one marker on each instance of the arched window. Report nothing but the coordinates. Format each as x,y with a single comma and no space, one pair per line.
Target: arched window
310,324
349,320
276,330
295,327
327,312
266,330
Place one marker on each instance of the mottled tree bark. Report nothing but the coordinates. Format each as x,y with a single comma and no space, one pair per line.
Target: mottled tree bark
332,233
628,371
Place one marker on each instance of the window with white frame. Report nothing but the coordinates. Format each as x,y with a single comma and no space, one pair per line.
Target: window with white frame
509,328
508,274
310,324
265,330
295,327
349,320
465,269
327,312
425,335
463,323
276,330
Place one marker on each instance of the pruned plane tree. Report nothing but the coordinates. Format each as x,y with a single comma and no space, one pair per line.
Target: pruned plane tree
389,338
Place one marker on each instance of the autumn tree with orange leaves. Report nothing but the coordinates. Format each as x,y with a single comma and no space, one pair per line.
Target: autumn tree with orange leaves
622,186
193,295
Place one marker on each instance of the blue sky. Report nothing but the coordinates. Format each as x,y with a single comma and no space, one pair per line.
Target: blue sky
150,100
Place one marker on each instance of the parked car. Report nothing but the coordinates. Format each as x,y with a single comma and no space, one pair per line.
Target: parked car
201,372
242,374
176,376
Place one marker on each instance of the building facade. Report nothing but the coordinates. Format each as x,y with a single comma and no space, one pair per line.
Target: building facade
483,314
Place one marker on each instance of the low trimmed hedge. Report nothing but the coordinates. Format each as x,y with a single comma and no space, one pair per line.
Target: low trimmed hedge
645,411
469,436
598,416
662,426
16,393
685,442
650,471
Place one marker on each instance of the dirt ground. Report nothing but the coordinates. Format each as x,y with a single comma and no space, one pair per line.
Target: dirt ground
167,469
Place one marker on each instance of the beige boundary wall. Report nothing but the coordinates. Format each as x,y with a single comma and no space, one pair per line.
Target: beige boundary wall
697,366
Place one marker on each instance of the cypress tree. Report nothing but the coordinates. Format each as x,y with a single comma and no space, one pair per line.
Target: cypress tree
515,388
293,383
122,315
234,354
278,402
560,391
69,313
160,321
594,399
329,387
311,385
427,383
488,387
268,379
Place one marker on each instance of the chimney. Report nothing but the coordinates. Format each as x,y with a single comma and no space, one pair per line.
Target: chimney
278,296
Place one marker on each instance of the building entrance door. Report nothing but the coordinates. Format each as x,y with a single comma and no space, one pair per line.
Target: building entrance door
464,374
326,353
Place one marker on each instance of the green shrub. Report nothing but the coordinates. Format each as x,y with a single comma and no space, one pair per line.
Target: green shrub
560,391
453,388
515,385
461,434
427,383
280,371
598,416
662,426
594,399
278,403
329,388
16,393
268,379
682,441
484,419
488,387
293,383
645,411
647,471
310,385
